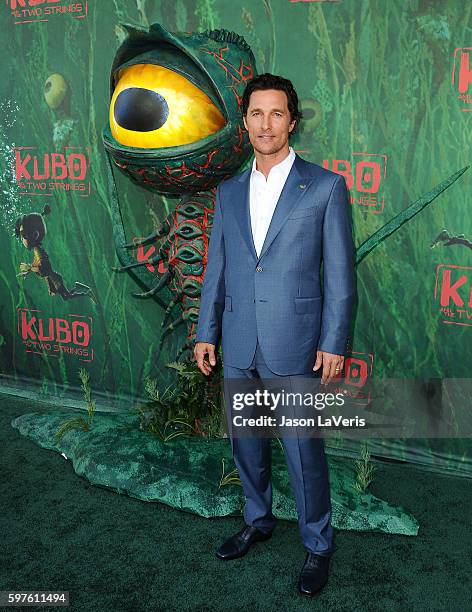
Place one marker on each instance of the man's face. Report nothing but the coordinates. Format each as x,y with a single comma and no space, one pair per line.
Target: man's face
268,121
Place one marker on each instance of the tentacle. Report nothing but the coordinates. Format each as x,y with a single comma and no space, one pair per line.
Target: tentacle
172,326
155,259
169,308
162,231
181,246
136,264
164,280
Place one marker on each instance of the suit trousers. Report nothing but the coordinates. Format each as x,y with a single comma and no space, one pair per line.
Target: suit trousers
307,467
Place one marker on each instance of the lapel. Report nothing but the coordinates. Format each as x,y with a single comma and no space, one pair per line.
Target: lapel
289,196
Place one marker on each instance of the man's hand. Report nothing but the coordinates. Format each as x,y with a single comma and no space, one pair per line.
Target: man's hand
330,362
200,350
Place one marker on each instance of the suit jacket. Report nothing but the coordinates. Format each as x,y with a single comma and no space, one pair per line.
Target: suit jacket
277,296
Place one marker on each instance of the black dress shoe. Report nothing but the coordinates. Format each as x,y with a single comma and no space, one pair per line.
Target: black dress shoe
240,543
314,574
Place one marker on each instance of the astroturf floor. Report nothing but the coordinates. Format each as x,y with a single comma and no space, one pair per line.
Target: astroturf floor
112,552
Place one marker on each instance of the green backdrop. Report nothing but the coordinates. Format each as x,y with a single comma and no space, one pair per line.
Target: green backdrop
385,91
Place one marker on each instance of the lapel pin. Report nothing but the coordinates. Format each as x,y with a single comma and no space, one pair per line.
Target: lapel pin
302,186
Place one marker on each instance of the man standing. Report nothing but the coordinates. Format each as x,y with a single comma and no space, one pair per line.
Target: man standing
273,226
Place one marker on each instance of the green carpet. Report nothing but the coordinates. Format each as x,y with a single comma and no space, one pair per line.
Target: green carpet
115,552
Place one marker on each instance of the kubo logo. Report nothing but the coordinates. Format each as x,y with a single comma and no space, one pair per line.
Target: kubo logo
354,381
27,9
43,174
453,290
24,3
357,369
462,76
364,179
53,335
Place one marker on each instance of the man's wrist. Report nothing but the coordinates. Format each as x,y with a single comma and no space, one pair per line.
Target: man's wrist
206,340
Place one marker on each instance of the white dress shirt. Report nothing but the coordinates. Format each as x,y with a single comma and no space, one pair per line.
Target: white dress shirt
264,196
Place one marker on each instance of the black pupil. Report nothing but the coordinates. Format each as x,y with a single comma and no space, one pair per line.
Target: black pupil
140,110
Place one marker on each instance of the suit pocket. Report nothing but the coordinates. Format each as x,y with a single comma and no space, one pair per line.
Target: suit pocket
304,305
228,303
304,212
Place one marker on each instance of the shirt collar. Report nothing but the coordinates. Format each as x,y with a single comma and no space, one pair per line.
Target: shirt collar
282,167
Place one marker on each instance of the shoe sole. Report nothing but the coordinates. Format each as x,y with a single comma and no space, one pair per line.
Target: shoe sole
304,594
314,594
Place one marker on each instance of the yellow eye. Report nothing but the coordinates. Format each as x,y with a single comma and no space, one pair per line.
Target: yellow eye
154,107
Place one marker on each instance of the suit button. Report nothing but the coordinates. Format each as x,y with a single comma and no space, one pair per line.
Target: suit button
258,269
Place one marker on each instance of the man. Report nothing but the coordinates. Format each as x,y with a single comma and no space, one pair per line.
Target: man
273,226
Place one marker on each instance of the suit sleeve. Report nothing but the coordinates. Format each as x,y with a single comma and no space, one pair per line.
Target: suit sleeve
212,297
339,288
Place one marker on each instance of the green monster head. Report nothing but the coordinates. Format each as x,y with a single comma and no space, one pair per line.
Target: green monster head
175,124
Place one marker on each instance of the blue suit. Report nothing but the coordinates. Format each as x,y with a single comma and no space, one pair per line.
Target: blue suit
277,297
272,316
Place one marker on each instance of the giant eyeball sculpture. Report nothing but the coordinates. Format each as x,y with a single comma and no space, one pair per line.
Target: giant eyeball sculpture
175,128
150,118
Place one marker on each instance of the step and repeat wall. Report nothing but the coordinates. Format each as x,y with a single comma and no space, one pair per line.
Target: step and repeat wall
385,91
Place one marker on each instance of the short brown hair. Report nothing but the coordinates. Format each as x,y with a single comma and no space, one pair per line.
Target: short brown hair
272,81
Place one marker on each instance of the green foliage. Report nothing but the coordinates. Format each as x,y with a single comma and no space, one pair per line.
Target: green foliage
74,423
279,442
190,407
80,422
85,384
229,478
162,416
205,11
364,470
